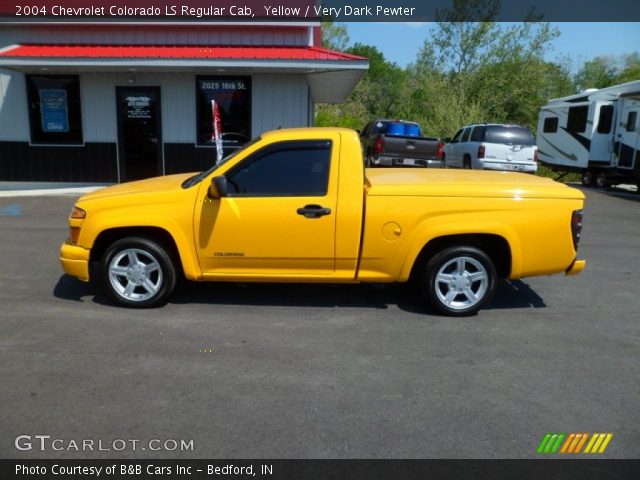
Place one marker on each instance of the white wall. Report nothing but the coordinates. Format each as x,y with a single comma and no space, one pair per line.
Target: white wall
278,100
14,113
98,92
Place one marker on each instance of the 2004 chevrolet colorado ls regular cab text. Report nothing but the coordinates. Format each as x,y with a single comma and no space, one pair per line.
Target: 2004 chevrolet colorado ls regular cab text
297,206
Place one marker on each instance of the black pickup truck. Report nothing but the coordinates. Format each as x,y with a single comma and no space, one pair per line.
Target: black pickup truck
396,143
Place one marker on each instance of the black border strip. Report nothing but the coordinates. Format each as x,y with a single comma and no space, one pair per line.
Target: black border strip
359,11
557,469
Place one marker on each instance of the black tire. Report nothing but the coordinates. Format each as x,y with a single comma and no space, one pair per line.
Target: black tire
368,160
466,162
444,161
449,291
602,181
588,178
145,283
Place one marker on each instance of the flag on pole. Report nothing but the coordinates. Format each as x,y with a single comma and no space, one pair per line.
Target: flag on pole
216,130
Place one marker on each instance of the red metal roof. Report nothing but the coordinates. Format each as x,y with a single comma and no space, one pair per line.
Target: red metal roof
176,52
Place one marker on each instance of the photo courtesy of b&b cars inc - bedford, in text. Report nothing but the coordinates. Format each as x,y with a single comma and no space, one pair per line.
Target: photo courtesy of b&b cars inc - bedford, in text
319,239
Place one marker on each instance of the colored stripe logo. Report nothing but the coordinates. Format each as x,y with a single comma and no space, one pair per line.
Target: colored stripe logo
572,443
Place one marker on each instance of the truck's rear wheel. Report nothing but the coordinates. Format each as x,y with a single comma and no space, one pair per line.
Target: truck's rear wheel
466,162
459,281
138,272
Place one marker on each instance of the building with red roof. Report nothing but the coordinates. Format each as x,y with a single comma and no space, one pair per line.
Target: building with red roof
113,98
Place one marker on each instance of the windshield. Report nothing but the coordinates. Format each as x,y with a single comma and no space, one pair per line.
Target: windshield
190,182
509,135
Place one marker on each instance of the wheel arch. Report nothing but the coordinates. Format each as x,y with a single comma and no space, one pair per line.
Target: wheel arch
161,235
496,246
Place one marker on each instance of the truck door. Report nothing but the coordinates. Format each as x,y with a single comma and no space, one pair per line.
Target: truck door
627,145
279,216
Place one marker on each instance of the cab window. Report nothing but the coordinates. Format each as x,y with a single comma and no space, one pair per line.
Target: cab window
465,135
456,137
286,169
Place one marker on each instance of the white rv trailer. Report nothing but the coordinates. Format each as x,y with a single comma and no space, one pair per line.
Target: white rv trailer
595,133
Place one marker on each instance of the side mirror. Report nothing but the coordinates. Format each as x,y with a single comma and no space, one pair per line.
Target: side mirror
218,187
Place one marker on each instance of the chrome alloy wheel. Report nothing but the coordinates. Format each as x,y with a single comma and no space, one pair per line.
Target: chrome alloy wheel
461,283
135,274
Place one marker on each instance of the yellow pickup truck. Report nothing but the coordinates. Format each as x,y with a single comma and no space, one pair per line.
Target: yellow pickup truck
297,205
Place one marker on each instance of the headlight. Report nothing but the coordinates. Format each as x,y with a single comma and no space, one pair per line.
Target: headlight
78,213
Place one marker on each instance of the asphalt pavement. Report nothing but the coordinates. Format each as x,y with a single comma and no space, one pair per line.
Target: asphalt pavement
308,371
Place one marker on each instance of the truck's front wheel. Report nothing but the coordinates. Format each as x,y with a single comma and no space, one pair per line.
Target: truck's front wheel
138,272
459,281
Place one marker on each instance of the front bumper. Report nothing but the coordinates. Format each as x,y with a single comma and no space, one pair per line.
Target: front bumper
576,267
75,261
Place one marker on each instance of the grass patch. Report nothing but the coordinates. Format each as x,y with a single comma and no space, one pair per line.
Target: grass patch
569,177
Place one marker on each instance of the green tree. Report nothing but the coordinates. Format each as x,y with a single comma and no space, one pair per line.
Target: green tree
605,71
597,73
382,89
630,70
483,71
335,36
382,93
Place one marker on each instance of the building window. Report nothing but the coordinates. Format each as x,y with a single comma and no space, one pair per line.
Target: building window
233,96
299,168
550,125
54,109
577,121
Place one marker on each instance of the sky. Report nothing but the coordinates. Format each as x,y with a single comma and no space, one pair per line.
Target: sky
400,42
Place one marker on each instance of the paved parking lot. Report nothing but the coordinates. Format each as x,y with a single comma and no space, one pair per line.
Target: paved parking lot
248,371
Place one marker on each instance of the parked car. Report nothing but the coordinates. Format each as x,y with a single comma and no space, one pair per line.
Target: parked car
396,143
290,207
492,147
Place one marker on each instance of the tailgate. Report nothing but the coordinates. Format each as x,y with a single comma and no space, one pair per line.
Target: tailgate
519,153
410,147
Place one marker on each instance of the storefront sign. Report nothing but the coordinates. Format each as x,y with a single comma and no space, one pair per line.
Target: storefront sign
53,110
138,107
232,99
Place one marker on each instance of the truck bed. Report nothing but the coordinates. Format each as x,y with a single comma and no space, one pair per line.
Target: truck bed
462,183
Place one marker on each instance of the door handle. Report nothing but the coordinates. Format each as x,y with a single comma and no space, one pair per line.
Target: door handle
313,211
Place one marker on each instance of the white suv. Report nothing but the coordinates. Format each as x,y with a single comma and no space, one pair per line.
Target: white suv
493,147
